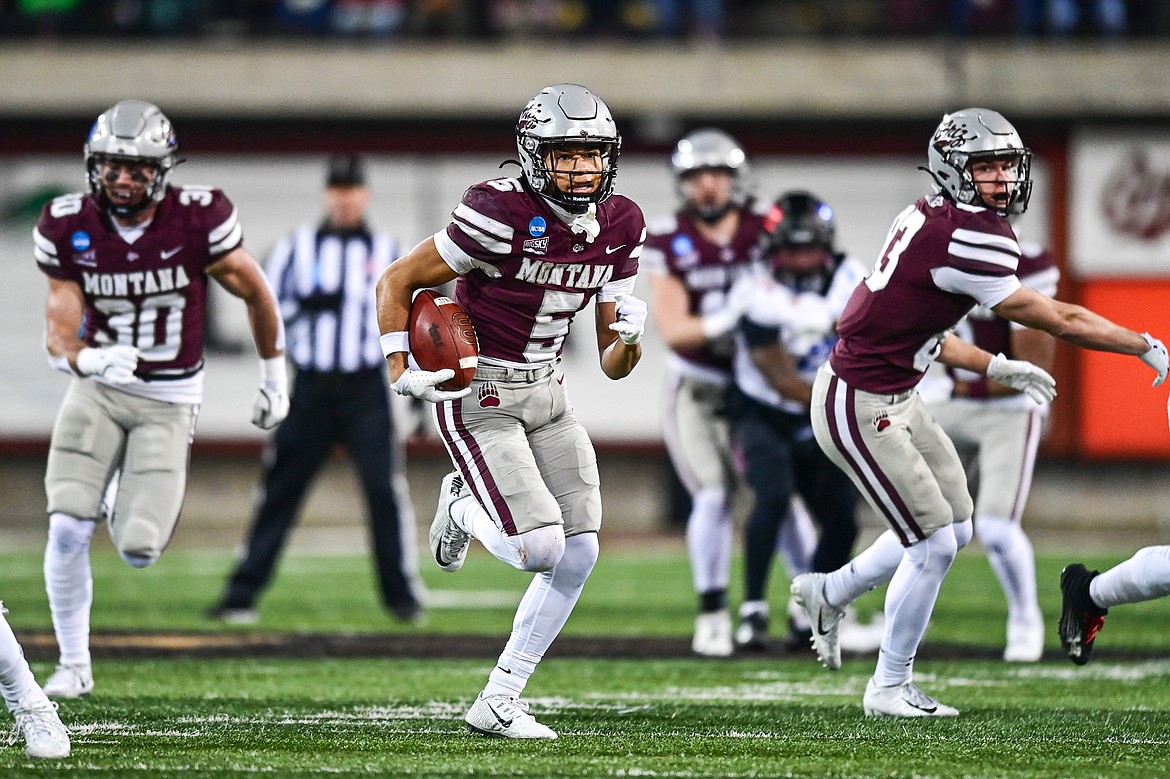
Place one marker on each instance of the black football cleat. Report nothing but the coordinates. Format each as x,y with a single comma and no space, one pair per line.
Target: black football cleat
1080,618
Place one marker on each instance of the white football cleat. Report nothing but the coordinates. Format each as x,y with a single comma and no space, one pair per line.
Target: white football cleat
502,716
809,591
449,544
70,681
45,736
1025,642
902,700
713,634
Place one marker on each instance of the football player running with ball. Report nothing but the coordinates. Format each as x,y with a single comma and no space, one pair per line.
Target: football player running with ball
944,255
530,253
128,266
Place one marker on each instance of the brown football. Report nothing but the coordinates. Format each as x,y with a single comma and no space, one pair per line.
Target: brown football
442,336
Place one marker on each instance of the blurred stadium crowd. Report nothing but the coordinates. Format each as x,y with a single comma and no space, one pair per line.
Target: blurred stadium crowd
711,21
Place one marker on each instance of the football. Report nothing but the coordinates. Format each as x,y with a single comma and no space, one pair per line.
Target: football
441,336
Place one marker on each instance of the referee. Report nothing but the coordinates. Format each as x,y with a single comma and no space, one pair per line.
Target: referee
324,277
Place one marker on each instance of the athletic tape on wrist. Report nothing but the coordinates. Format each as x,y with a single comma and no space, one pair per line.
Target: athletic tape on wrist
398,341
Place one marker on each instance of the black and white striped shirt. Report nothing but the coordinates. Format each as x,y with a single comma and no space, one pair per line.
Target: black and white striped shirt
325,280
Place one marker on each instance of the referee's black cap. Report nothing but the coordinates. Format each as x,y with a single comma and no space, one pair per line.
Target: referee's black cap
345,170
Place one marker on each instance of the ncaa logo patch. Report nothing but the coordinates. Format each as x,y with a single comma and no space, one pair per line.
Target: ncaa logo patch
682,244
537,226
80,240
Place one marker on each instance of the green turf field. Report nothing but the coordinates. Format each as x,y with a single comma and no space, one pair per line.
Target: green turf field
758,717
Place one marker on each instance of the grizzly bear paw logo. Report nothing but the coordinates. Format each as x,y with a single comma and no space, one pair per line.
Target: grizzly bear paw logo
489,396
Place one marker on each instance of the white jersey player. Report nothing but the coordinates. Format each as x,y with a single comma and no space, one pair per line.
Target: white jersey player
802,287
530,254
997,432
944,255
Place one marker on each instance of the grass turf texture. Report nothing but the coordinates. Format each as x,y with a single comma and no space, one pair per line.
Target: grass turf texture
756,717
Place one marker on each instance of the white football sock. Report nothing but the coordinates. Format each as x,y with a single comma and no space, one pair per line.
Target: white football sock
69,584
1010,553
867,570
1144,576
17,682
910,600
543,611
709,537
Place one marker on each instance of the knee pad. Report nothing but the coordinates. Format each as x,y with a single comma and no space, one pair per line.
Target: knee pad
943,546
137,540
963,531
69,535
542,549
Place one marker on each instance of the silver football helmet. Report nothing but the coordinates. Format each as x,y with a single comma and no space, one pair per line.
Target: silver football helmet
968,135
137,131
566,114
705,149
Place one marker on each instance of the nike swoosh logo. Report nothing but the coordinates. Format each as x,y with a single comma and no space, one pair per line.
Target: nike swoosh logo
927,709
168,254
612,249
503,722
505,670
821,622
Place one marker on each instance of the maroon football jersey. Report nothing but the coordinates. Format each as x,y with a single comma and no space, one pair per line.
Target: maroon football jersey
706,270
993,333
151,293
939,260
524,274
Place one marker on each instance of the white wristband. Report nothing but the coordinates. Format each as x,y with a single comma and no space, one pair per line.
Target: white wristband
273,372
398,341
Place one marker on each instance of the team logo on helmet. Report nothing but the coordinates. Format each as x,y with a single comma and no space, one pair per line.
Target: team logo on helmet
951,134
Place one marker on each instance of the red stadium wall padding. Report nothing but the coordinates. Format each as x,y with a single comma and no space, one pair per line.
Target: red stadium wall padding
1121,416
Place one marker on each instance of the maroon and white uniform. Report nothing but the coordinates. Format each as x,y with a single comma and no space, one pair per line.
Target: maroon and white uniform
696,436
940,260
147,290
524,276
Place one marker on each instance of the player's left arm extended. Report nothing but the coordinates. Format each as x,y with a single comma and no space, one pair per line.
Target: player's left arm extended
618,356
240,274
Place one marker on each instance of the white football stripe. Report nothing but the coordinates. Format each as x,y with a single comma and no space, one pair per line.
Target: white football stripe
493,227
489,242
990,240
992,256
229,224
